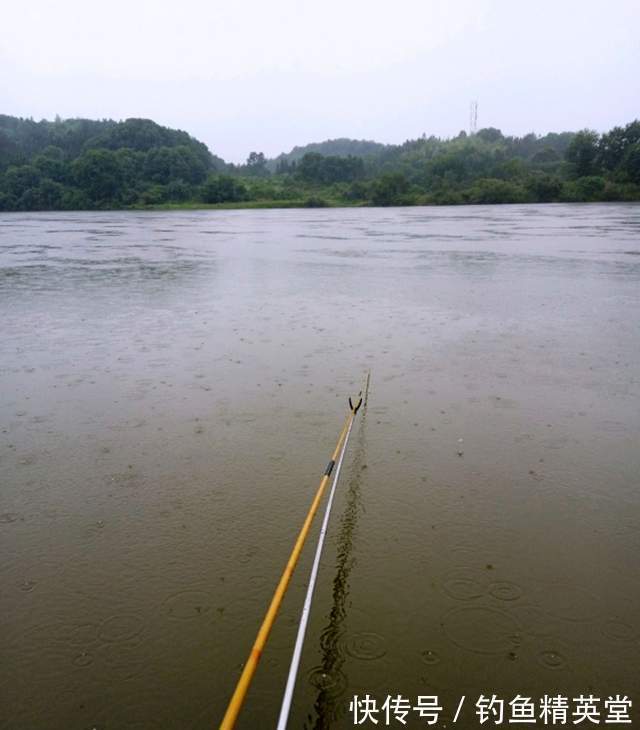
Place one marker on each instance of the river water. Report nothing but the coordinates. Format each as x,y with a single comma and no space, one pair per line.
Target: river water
172,385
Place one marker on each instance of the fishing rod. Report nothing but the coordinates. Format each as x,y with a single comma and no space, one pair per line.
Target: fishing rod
240,692
306,609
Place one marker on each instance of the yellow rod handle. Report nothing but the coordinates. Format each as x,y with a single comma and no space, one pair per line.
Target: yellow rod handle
237,699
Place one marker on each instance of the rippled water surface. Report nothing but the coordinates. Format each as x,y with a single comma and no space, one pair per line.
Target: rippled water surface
172,385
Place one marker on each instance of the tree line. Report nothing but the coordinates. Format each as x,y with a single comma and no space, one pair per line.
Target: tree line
81,164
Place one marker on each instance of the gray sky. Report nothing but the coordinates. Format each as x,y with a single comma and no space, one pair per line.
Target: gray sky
267,75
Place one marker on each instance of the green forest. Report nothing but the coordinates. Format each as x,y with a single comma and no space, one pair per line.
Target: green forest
82,164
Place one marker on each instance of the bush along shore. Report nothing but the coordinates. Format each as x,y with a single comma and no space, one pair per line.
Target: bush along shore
81,164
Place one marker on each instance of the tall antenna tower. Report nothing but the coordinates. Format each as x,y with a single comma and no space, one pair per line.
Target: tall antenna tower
473,117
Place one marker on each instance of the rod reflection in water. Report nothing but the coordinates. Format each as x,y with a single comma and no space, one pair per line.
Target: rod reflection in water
328,677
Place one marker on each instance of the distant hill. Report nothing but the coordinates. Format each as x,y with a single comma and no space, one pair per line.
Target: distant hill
85,164
22,139
342,147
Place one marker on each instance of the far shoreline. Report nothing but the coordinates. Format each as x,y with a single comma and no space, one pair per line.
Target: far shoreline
302,205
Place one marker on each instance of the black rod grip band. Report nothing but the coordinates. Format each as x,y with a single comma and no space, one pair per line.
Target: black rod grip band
329,469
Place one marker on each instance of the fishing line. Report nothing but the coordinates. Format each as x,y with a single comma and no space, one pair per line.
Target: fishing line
333,658
306,609
238,697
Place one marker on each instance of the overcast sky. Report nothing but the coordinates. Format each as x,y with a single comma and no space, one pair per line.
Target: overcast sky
266,75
